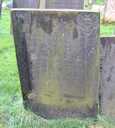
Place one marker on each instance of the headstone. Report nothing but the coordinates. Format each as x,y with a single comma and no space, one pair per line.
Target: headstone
109,15
69,4
58,53
65,4
108,76
25,3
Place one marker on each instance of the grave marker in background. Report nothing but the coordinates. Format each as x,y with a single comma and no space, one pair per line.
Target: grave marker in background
108,76
26,3
69,4
58,60
52,4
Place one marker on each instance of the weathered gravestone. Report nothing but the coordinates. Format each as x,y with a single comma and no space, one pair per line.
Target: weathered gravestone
108,76
70,4
26,3
65,4
57,53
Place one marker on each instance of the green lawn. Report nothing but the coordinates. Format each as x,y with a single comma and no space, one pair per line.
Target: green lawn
12,113
100,1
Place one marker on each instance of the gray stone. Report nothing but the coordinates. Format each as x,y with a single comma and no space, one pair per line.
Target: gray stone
26,3
65,4
70,4
108,76
57,54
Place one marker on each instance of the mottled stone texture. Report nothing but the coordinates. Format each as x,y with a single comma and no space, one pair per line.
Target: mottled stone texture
26,3
57,54
65,4
108,76
70,4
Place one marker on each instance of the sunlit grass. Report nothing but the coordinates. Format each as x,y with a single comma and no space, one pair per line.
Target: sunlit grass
107,29
100,1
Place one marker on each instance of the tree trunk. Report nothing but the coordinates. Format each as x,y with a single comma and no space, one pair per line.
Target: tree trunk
0,6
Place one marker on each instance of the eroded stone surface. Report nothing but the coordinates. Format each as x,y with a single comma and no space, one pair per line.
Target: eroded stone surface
26,3
65,4
58,59
70,4
108,76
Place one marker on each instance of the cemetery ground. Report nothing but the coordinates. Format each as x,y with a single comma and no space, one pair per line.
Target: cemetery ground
12,113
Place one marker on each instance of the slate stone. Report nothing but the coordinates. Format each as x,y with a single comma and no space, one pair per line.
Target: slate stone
26,3
58,59
69,4
59,4
108,76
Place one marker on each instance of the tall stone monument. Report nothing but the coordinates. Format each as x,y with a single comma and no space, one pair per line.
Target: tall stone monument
58,59
108,76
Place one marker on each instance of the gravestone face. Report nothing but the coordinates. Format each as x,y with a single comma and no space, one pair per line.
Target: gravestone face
25,3
57,53
108,76
65,4
70,4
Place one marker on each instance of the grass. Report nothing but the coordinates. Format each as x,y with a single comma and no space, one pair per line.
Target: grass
100,1
107,29
12,113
